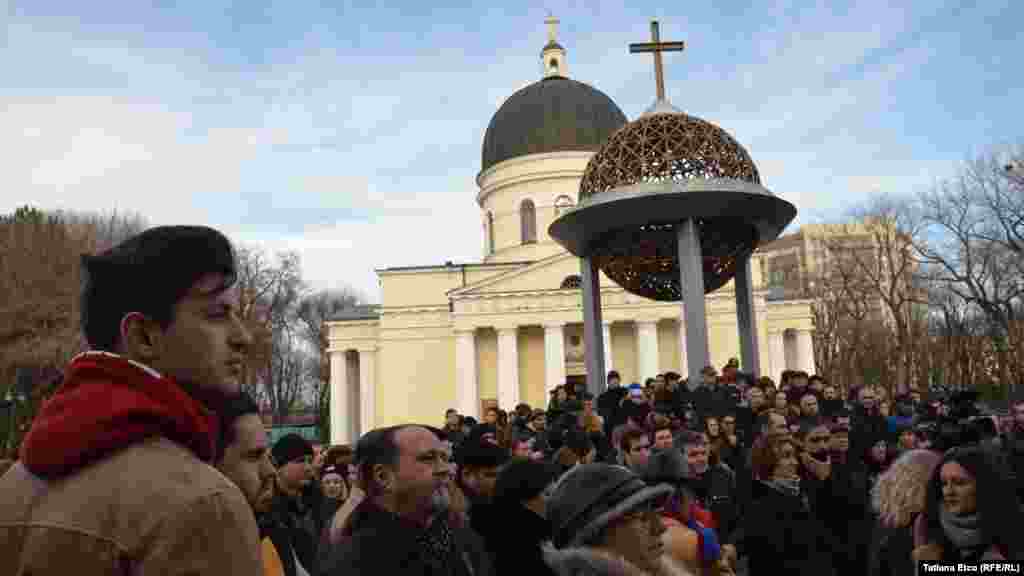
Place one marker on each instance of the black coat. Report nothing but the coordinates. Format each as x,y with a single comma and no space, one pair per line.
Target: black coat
382,543
784,536
849,518
513,535
890,551
716,492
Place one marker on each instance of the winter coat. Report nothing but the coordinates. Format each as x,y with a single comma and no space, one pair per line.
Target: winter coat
586,561
890,551
382,543
784,536
300,521
513,535
850,520
113,479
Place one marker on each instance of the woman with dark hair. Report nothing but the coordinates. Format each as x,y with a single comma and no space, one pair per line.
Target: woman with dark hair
783,533
971,512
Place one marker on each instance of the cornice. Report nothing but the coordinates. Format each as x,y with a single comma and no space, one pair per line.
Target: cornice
533,158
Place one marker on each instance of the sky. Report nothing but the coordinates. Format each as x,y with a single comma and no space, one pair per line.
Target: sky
351,133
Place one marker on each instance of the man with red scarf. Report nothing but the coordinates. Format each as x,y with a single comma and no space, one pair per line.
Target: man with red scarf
114,476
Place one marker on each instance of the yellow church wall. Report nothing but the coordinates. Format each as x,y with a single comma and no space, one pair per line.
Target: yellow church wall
531,366
624,352
668,348
487,363
415,380
430,286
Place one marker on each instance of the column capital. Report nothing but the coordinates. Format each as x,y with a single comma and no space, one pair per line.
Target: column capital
366,349
554,325
646,322
464,330
507,328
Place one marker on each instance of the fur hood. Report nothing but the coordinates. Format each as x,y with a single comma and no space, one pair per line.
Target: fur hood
899,493
585,561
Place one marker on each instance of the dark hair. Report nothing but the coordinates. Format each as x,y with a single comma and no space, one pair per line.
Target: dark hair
523,480
613,374
480,453
450,411
580,443
998,508
149,273
764,455
233,409
341,455
628,437
378,446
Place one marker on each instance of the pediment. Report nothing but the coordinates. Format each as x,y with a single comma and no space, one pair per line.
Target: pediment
542,275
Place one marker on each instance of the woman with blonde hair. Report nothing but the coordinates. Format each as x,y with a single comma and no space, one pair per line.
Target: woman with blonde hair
898,497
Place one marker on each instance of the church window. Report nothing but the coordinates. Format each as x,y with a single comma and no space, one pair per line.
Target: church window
528,221
490,233
553,64
572,282
562,203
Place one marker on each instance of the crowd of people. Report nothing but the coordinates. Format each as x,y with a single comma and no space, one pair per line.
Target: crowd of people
150,459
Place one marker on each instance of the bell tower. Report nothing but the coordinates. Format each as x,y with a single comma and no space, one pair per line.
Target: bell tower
552,57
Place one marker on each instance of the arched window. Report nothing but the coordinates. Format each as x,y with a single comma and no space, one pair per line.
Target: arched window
563,203
490,233
573,282
553,65
528,221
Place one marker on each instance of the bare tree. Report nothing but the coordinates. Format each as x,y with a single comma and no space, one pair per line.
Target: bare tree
40,254
876,259
976,248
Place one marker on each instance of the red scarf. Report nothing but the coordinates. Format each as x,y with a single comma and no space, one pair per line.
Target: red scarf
107,403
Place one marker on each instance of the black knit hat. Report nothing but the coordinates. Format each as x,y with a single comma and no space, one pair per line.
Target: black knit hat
290,447
522,480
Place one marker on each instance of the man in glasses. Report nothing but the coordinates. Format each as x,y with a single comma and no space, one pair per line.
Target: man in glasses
296,503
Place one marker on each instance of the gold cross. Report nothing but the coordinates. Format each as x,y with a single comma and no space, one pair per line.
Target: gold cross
656,46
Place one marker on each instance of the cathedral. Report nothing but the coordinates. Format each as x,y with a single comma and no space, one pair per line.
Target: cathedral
508,329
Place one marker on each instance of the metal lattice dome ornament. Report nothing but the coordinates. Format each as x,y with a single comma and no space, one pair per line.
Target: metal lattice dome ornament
651,175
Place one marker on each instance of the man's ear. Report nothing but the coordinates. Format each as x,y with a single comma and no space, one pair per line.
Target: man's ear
140,336
383,477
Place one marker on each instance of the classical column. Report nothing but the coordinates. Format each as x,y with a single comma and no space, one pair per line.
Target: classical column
554,356
341,419
467,394
684,368
647,348
508,368
593,330
367,389
804,351
609,361
691,280
746,320
777,353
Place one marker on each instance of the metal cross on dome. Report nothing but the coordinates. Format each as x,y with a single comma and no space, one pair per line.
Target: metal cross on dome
656,46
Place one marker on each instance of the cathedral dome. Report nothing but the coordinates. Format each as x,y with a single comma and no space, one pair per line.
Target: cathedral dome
551,115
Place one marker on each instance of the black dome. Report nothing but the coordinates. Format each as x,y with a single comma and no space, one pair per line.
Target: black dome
551,115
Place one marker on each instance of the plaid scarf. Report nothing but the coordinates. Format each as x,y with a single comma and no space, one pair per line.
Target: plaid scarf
438,545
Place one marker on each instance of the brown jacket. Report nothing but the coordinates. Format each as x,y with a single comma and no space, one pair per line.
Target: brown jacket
152,508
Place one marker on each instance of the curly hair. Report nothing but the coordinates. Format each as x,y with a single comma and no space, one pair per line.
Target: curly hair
899,493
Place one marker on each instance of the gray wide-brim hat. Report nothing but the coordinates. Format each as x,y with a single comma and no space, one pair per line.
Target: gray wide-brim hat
591,497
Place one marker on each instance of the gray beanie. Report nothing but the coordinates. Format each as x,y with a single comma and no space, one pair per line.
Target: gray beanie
592,496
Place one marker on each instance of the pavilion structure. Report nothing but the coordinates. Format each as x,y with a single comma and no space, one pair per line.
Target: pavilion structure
671,207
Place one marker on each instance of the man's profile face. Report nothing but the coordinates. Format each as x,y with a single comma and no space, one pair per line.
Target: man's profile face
638,455
206,343
421,471
697,457
246,461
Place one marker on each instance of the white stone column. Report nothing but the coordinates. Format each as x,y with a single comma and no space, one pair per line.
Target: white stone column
508,368
777,353
609,361
805,351
340,418
554,356
684,366
367,389
467,392
647,348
